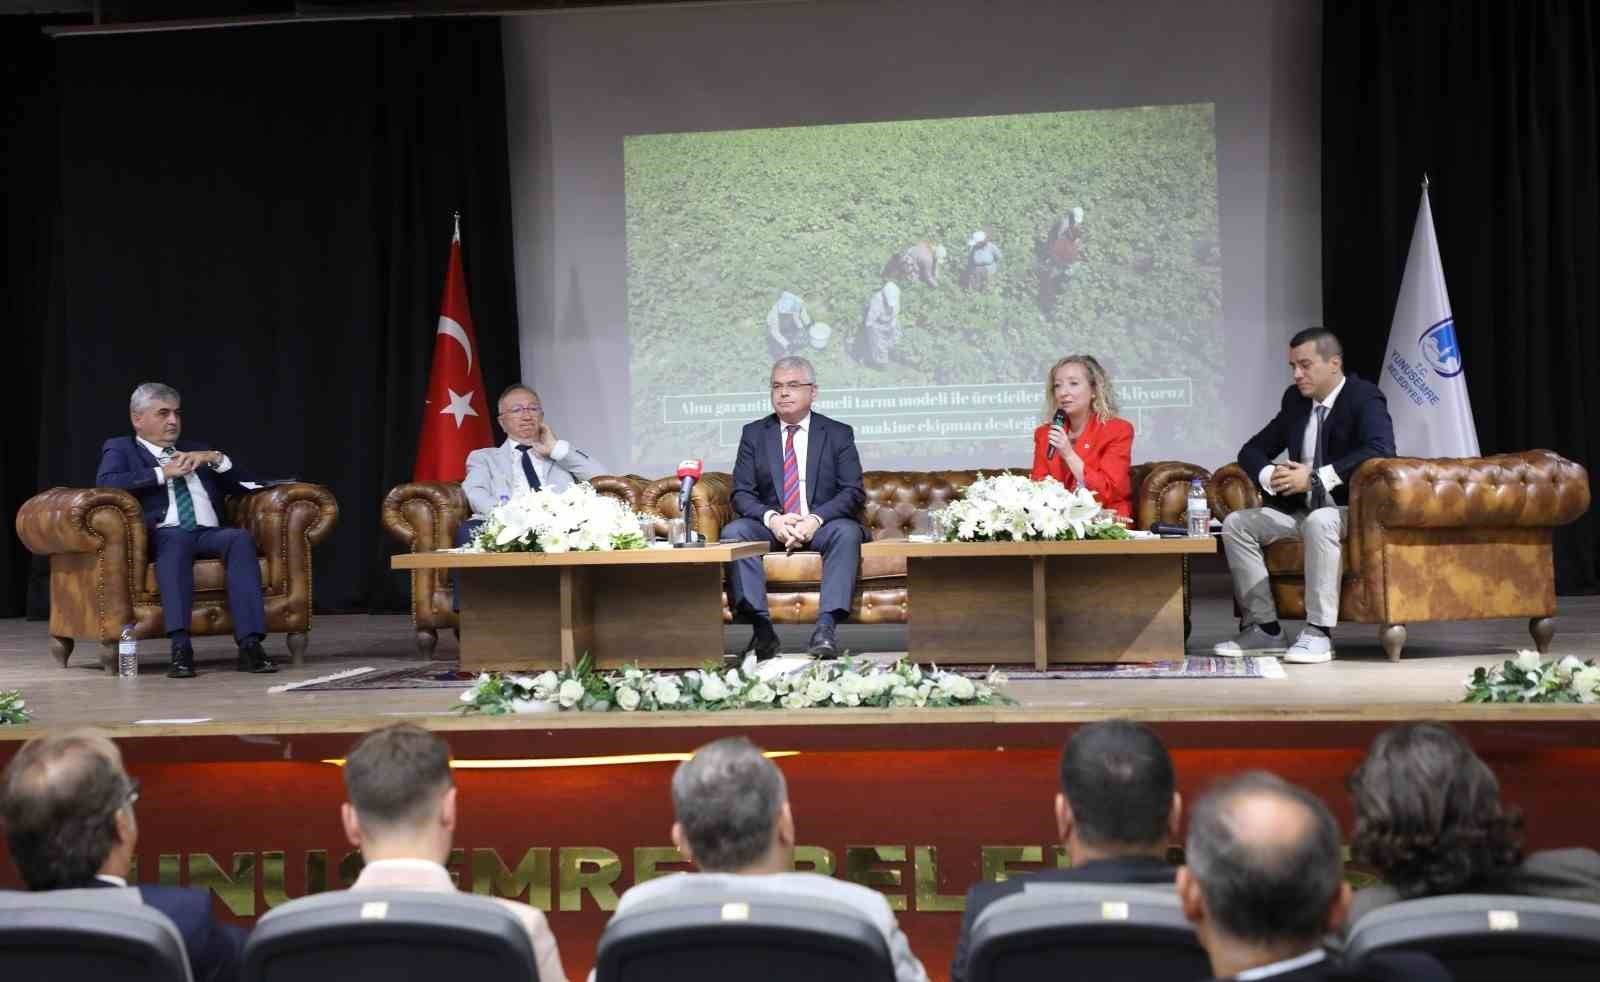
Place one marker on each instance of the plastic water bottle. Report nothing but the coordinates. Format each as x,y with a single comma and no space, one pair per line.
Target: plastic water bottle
127,654
1199,509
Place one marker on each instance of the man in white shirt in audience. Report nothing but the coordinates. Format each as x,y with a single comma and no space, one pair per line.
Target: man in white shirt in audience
1265,884
1117,810
402,816
734,822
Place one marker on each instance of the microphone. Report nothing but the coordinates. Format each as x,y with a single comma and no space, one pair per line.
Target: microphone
1060,419
689,471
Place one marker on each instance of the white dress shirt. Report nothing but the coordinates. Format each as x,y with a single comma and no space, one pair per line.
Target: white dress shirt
205,513
1287,965
115,881
1308,449
801,441
541,464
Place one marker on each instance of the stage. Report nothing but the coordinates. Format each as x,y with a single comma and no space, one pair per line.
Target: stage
563,811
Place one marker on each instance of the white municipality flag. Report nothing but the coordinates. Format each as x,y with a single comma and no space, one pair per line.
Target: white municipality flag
1422,369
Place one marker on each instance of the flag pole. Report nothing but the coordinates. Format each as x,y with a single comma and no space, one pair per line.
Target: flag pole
457,216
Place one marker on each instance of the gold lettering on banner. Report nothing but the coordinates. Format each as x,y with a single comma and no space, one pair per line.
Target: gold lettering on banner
816,859
167,869
455,863
996,859
925,866
1060,856
607,868
274,884
858,867
648,860
236,890
490,877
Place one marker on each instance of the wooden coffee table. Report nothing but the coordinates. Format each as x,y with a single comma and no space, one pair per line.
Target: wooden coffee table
661,608
1044,602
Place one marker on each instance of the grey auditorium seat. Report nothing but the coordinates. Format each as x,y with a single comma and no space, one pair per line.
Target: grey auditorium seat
742,937
71,935
1057,932
1488,936
389,935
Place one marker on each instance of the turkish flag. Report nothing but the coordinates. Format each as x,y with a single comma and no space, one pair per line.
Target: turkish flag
455,417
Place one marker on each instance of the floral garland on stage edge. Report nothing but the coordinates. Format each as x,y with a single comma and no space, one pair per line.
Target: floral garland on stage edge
1528,679
1013,508
579,519
13,708
834,684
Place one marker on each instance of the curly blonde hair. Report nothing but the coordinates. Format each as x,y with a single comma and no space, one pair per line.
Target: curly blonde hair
1104,401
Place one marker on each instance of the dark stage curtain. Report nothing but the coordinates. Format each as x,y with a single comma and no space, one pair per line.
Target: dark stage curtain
261,217
1497,103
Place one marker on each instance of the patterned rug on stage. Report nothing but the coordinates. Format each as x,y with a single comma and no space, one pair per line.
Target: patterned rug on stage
446,675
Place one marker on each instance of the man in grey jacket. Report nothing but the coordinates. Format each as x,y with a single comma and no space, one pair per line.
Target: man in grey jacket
734,823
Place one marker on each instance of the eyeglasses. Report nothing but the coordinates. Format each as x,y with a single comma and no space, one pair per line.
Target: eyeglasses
523,411
778,387
133,792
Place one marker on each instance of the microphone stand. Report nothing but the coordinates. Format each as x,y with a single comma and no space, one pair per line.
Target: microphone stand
686,509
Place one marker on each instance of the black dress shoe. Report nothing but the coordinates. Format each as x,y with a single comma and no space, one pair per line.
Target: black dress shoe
253,659
823,643
764,648
182,662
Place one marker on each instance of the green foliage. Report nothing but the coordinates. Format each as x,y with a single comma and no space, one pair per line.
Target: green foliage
718,224
1528,679
13,709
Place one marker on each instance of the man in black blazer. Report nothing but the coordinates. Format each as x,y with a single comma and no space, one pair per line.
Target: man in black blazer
1117,809
182,489
1330,423
796,484
1264,884
68,804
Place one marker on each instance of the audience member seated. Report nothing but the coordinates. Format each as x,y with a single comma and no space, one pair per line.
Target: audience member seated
67,804
1429,818
402,816
734,822
1265,883
1116,811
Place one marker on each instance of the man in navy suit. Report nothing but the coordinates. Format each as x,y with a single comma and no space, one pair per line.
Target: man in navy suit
1117,809
181,489
796,484
1330,424
67,804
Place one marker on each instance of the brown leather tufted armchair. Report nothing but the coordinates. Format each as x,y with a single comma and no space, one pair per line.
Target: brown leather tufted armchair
102,575
1437,540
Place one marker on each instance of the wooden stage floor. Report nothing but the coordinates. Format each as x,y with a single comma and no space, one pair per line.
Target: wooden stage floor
1361,685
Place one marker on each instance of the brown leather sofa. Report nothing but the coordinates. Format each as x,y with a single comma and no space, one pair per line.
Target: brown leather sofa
102,575
425,516
1436,540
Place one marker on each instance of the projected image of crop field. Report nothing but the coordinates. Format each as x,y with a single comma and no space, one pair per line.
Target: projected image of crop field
932,270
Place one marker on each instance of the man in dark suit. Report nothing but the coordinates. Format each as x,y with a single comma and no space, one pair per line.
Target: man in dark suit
67,804
796,483
1265,884
1330,424
1117,809
181,489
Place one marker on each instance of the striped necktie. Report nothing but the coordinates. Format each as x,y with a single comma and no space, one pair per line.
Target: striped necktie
791,473
180,492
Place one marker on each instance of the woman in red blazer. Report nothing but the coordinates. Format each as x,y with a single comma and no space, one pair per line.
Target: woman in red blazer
1095,448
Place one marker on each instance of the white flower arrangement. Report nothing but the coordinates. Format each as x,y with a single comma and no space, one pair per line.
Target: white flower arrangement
579,519
13,708
1527,678
834,684
1010,507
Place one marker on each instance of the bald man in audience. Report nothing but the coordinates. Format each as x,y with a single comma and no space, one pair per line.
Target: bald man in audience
1265,884
68,804
402,816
